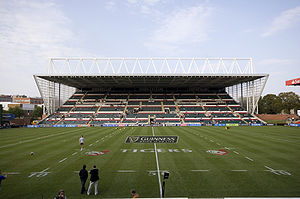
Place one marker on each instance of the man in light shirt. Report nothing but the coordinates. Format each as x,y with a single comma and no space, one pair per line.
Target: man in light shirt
81,142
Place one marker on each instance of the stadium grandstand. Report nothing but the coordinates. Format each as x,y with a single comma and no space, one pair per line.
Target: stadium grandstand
151,91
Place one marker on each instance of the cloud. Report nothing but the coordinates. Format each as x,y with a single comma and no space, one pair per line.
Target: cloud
109,5
286,20
31,32
148,2
145,7
182,26
132,1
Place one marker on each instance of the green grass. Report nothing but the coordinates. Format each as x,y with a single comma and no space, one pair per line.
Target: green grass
275,147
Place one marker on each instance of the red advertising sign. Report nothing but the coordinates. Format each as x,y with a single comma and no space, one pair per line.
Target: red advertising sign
293,82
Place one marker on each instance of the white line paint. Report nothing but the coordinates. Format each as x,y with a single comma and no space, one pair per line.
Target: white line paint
249,158
157,165
91,145
45,169
278,172
74,153
97,141
227,148
218,144
39,174
199,170
211,140
13,173
280,139
25,141
235,152
126,171
62,160
240,170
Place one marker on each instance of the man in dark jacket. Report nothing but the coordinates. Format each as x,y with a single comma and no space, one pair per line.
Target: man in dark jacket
93,180
83,177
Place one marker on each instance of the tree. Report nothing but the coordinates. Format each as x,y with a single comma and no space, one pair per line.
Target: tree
17,111
270,104
37,113
290,100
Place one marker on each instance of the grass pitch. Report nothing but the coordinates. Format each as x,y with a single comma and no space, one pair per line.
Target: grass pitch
261,162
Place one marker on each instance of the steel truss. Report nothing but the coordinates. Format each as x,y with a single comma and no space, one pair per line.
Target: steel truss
134,66
248,93
55,94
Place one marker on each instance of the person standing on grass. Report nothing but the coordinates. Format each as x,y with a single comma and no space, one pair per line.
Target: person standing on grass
61,195
2,177
134,194
81,142
93,180
83,177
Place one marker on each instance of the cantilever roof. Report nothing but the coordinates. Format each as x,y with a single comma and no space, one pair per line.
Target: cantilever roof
151,81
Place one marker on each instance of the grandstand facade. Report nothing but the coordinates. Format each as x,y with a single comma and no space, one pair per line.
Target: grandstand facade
141,91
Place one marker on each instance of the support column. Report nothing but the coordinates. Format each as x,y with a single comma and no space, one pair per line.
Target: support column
237,92
242,98
253,98
247,90
59,95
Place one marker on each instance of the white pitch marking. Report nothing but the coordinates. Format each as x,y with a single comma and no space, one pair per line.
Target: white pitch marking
200,170
62,160
227,148
126,171
240,170
74,153
97,141
25,141
39,174
157,165
218,144
211,140
91,145
13,173
249,158
278,172
280,139
235,152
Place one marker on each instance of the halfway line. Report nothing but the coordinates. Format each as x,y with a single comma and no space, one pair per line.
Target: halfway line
157,165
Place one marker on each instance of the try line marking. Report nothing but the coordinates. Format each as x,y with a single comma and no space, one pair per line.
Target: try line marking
157,165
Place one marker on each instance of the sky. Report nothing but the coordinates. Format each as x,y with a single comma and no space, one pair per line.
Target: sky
33,31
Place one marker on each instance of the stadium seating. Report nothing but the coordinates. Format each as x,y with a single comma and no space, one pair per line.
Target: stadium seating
98,108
